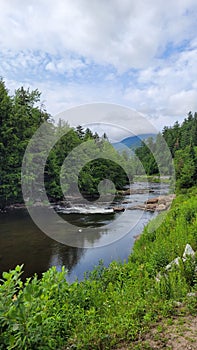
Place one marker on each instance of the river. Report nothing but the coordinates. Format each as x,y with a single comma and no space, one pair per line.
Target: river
22,242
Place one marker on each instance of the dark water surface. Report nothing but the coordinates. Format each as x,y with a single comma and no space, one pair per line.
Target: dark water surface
21,241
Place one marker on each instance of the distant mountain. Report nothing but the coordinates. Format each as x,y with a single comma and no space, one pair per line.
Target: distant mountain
131,142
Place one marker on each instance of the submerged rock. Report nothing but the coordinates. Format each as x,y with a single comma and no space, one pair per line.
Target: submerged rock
152,200
118,209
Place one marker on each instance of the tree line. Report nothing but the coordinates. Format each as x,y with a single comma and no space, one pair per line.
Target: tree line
20,116
182,143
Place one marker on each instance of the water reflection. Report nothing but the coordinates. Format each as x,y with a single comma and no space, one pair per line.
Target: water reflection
21,242
65,256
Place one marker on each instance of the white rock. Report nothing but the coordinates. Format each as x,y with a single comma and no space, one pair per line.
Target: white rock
161,207
191,294
177,303
173,262
158,277
188,252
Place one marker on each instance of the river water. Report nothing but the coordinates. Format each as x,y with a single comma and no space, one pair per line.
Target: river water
22,242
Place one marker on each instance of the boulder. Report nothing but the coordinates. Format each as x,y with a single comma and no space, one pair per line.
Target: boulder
161,207
174,262
150,207
188,252
191,294
152,201
137,207
161,200
118,209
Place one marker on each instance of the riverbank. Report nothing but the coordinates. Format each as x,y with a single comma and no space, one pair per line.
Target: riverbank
112,305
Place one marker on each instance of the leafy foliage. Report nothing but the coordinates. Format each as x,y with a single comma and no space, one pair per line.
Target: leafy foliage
19,119
22,115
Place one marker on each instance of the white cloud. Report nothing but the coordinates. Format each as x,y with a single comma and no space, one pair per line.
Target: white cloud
66,65
122,33
167,89
144,53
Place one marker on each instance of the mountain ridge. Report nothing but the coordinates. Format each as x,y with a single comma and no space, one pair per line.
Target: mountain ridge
132,142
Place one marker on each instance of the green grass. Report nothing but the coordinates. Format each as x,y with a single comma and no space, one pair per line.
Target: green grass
112,304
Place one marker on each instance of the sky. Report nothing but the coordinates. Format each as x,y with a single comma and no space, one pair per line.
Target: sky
140,54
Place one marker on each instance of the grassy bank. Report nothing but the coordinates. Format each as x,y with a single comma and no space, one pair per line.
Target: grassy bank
111,305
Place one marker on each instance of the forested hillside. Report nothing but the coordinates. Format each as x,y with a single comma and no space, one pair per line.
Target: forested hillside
20,116
182,142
